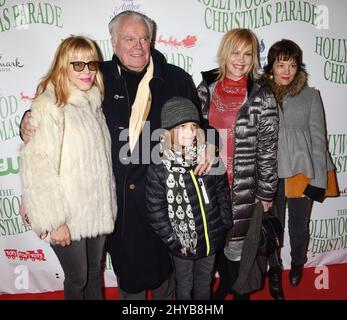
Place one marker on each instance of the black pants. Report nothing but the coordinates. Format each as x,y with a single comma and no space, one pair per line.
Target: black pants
193,277
81,263
165,291
228,273
298,223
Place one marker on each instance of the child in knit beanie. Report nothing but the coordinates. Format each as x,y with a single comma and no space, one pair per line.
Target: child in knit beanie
192,215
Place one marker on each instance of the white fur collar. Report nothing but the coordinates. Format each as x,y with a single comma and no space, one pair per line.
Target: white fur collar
77,97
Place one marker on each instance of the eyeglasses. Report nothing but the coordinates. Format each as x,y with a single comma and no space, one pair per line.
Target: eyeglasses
79,66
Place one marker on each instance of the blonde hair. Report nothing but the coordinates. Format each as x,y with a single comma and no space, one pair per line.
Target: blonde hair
58,74
169,138
233,40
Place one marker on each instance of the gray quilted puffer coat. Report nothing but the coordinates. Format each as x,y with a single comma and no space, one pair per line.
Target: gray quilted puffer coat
255,149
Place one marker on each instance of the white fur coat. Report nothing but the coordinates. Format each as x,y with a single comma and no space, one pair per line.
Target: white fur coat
66,168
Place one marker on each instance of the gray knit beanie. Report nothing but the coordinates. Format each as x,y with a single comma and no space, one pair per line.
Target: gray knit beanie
178,110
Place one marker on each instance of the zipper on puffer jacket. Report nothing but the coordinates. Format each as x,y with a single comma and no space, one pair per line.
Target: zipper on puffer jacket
202,210
203,190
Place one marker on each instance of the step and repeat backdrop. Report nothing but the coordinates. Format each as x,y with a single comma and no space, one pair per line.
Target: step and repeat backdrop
188,34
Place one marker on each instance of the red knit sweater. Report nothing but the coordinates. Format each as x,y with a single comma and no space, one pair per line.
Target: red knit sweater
227,99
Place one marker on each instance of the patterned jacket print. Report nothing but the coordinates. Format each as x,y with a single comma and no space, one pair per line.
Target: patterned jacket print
206,220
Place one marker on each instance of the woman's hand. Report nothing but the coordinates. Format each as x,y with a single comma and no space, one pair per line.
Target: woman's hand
61,236
26,129
205,160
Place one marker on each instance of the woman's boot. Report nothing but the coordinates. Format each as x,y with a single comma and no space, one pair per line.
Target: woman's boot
224,278
275,284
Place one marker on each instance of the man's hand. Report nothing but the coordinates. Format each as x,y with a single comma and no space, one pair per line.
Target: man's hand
26,129
205,160
61,236
23,212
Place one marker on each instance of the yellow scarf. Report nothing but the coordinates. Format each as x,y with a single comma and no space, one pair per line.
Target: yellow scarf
140,107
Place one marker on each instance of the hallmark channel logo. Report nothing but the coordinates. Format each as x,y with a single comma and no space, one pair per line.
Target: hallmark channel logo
31,255
7,65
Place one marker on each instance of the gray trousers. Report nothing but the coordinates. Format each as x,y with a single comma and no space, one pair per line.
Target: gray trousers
193,277
164,292
298,223
81,263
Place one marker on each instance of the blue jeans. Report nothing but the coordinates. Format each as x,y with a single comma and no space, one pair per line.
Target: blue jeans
193,277
81,263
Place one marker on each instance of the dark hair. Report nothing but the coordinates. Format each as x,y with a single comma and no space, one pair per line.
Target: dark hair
284,50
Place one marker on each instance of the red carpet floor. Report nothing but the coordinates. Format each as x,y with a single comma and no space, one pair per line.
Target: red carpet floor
335,288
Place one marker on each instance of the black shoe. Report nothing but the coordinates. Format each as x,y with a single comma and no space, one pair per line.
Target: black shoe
221,292
275,285
295,275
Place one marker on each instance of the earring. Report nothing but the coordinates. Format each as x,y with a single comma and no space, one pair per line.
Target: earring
271,77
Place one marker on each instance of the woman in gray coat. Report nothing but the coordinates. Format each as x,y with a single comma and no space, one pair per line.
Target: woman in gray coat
302,149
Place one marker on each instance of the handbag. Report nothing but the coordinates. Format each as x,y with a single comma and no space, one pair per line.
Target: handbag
271,234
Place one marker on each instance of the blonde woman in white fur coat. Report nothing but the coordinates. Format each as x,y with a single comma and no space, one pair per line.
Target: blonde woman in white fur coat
66,167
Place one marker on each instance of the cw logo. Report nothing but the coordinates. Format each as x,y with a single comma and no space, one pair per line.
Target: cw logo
7,166
322,281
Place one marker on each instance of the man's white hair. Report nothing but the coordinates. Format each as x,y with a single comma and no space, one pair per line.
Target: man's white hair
114,23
